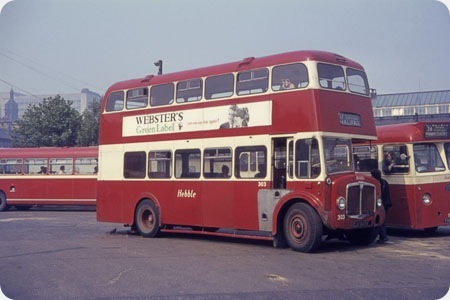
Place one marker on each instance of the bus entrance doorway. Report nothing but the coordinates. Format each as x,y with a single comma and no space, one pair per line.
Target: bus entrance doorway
280,164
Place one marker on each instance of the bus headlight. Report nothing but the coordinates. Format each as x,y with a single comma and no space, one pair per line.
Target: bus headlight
426,199
379,202
340,203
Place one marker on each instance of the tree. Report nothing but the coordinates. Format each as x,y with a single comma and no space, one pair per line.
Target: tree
90,118
53,122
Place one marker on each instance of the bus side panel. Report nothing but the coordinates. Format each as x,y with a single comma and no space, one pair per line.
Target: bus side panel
218,204
435,213
60,189
246,205
180,201
228,205
109,203
182,204
27,190
401,213
85,189
409,211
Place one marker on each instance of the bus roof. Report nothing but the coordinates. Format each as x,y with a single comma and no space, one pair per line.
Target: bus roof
49,152
244,64
414,132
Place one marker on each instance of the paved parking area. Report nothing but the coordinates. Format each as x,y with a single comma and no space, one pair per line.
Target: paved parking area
67,254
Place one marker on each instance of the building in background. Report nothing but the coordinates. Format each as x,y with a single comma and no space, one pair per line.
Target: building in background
13,105
80,100
411,107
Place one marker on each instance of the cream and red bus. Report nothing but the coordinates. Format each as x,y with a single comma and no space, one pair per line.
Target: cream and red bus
258,148
48,176
419,179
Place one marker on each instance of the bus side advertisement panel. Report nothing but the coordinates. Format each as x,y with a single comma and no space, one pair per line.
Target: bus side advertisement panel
201,119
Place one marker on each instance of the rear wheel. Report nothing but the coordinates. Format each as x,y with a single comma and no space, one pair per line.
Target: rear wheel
302,228
3,204
23,207
146,219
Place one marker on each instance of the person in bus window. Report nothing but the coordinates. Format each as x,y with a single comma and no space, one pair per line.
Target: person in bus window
386,200
262,172
286,84
62,170
43,170
388,162
225,172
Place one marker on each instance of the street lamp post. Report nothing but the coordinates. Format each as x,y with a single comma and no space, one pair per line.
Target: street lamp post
159,64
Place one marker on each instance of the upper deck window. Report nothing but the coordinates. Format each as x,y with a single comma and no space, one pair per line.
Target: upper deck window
331,76
252,82
289,77
219,86
137,98
161,94
189,90
357,81
115,101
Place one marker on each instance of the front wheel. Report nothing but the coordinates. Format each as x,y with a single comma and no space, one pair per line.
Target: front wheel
362,237
430,229
302,228
146,219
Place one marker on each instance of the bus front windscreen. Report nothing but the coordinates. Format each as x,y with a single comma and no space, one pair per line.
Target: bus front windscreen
338,157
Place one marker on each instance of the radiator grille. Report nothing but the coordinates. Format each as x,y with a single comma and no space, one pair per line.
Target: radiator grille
360,199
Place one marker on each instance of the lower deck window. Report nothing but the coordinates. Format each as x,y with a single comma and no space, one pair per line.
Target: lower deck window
250,162
134,164
187,163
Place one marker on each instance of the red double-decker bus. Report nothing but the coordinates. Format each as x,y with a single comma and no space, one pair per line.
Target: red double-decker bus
258,148
48,176
419,174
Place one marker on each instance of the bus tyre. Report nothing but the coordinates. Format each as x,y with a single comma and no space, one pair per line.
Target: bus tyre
302,228
431,229
362,237
146,219
3,205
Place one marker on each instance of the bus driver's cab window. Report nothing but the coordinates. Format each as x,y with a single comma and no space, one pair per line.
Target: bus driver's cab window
395,159
447,153
307,159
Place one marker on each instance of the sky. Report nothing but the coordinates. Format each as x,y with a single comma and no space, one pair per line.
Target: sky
63,46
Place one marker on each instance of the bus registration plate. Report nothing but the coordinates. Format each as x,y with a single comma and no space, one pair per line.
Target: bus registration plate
359,224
